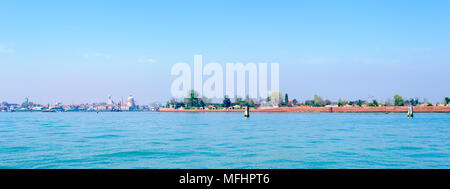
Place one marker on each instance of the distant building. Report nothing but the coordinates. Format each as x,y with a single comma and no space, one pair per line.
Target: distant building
110,101
5,106
130,101
129,105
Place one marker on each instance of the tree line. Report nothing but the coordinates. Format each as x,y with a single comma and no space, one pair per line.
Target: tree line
194,100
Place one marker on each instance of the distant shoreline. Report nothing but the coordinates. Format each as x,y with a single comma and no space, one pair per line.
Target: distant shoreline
349,109
298,109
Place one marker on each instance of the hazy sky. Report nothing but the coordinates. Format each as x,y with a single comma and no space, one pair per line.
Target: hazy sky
82,51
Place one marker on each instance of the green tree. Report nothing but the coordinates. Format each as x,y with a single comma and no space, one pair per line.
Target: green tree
359,103
373,103
414,101
167,104
286,99
226,102
275,98
202,103
192,99
294,101
447,100
398,100
251,103
309,102
238,100
318,101
342,102
172,102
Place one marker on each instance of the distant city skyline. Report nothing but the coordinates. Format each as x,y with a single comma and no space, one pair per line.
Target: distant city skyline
82,51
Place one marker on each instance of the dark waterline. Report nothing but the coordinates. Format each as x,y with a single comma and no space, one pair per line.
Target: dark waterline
223,140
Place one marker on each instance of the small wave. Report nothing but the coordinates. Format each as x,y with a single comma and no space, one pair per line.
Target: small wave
136,153
180,139
429,155
249,155
346,153
16,149
104,136
374,149
290,147
406,148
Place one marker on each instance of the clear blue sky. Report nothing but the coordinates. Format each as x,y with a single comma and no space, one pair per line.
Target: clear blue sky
82,51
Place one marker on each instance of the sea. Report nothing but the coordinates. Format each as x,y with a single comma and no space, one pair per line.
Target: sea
204,140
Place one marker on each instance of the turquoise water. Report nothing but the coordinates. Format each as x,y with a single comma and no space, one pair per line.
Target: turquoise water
223,140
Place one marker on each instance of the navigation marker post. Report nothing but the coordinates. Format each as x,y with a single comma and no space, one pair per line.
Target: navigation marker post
247,111
410,111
